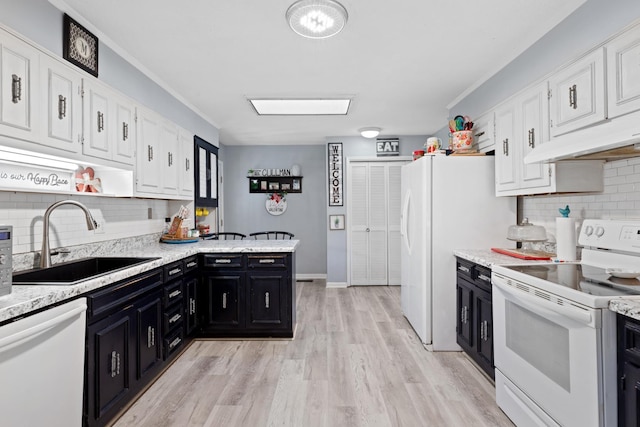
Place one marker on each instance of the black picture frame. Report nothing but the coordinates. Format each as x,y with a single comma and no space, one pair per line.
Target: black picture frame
79,46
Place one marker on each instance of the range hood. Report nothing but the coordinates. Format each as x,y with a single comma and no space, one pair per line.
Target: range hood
614,139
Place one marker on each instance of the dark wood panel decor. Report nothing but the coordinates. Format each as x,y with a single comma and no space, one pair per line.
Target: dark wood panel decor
270,184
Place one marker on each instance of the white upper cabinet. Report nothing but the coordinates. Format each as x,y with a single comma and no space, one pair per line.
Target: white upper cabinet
534,109
18,88
62,106
109,121
186,146
170,157
506,148
577,94
148,157
484,132
623,73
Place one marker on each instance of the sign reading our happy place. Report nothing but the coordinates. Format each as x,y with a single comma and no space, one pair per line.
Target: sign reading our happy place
387,147
34,178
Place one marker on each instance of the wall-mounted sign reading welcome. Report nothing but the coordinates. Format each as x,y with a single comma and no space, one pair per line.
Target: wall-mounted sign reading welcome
335,174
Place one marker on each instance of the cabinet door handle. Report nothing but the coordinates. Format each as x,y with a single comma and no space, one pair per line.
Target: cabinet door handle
224,300
266,300
175,271
125,131
170,158
532,137
479,134
573,97
486,330
16,88
118,364
151,337
100,121
186,165
482,331
483,277
192,306
149,152
505,147
463,268
175,318
267,261
113,363
175,343
62,107
175,293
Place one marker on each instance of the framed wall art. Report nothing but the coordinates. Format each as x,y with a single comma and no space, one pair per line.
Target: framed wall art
79,46
336,222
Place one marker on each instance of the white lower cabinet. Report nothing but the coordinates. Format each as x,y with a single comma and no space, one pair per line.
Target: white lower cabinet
522,123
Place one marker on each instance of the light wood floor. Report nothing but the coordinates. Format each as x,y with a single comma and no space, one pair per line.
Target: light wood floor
355,361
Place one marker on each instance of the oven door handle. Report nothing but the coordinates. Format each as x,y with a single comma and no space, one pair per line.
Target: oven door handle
537,304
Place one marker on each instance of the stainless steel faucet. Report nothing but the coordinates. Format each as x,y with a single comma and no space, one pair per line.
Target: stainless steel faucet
45,256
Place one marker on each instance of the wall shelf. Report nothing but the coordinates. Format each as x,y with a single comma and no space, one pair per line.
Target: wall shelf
270,184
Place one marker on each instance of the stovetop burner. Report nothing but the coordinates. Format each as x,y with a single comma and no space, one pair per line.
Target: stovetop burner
583,278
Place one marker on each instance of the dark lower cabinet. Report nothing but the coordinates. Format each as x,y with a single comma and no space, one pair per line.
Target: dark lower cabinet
247,295
628,371
474,324
191,304
148,333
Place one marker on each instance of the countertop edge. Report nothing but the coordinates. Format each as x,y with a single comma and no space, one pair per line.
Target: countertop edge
25,299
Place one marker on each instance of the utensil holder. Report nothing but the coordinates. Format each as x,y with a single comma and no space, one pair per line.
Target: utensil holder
462,140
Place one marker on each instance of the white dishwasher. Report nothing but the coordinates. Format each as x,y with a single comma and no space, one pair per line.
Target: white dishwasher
42,367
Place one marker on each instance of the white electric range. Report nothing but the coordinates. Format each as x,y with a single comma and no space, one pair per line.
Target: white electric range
554,337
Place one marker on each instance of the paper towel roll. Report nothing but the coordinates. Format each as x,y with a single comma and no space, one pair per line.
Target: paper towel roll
566,239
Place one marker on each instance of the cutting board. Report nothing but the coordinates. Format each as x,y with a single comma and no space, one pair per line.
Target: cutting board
526,255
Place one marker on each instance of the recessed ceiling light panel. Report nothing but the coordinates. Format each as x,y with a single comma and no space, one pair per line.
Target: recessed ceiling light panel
317,19
301,107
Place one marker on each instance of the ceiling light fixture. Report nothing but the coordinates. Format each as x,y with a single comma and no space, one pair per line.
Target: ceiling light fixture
317,19
301,107
370,132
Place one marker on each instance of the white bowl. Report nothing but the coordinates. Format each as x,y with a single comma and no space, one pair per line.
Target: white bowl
622,273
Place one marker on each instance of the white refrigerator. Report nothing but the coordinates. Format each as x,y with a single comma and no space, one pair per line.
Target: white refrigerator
448,203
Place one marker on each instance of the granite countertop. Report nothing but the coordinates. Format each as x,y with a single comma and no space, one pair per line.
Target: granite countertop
24,299
488,258
629,307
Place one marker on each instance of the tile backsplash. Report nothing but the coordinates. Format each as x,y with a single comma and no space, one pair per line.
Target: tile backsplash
121,218
619,200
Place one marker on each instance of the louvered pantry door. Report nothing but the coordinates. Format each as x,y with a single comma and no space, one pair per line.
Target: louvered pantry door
368,223
394,196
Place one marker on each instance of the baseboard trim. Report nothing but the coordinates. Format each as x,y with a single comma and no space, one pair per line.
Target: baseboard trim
310,277
337,285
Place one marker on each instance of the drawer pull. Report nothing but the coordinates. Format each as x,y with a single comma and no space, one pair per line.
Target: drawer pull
485,278
100,121
192,264
267,261
62,107
175,293
463,268
266,300
151,337
174,343
175,271
224,300
223,261
16,88
175,318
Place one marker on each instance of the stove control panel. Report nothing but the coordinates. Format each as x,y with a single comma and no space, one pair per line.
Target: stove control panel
6,264
620,235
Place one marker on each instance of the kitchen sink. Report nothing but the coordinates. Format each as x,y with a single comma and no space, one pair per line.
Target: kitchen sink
73,272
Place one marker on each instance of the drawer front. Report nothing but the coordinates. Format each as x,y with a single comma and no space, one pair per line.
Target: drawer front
223,261
464,268
173,318
173,293
190,264
267,261
482,277
173,270
173,342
